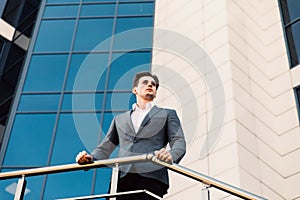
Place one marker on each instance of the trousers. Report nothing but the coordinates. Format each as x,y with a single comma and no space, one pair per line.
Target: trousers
134,181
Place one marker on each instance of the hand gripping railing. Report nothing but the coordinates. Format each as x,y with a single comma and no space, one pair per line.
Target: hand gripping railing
115,162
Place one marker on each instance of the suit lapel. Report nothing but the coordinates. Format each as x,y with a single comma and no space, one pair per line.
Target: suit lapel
129,121
150,115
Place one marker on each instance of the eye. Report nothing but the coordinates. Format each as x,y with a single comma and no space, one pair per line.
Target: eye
145,82
153,83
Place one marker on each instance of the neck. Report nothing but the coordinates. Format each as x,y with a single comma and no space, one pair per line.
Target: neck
142,103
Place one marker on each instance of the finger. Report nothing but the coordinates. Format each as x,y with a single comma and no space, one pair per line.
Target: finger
89,158
163,150
160,155
163,155
157,153
80,155
83,160
168,158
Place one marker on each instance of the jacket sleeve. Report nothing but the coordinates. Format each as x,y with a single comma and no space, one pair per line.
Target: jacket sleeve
175,137
109,143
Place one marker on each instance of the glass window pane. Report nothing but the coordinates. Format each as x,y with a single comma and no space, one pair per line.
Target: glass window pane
136,9
46,73
119,101
30,140
293,38
62,1
135,38
124,24
70,184
98,10
87,72
125,66
43,102
103,180
68,134
108,117
99,1
60,11
91,32
82,102
293,7
54,35
297,90
32,191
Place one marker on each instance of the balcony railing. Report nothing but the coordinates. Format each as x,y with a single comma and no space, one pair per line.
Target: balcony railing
115,162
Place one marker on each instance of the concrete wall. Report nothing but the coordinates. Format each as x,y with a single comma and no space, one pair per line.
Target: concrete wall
258,146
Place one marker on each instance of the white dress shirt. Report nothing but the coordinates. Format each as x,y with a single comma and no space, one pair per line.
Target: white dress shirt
138,114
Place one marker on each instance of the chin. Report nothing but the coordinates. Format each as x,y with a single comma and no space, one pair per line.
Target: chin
150,96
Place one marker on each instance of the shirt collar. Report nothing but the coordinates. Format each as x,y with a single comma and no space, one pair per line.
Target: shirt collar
148,105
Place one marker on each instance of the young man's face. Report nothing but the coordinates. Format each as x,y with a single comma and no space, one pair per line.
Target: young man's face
146,88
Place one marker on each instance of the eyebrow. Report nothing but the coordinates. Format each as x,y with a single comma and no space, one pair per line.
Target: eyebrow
152,82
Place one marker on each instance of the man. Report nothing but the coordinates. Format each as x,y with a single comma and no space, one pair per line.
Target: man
144,129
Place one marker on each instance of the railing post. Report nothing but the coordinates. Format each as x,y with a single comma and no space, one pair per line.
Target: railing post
205,195
20,190
114,180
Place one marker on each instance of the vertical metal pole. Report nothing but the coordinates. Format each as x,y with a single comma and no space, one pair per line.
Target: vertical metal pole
114,180
205,195
20,190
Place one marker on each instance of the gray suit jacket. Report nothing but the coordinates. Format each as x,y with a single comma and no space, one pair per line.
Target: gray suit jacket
160,127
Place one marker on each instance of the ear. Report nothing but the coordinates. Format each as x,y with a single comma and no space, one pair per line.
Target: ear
134,90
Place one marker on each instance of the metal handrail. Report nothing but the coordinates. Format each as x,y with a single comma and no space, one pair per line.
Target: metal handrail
73,167
211,182
133,159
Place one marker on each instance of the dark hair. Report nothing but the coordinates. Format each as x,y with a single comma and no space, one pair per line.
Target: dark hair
142,74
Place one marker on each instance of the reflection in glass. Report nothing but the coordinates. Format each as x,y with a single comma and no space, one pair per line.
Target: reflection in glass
133,29
82,102
33,187
91,32
119,101
136,9
124,24
46,73
99,1
69,184
98,10
124,66
67,134
89,70
291,10
103,180
30,140
297,91
62,1
40,102
55,35
293,33
60,11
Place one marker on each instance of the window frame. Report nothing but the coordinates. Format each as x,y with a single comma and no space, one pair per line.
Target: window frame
291,49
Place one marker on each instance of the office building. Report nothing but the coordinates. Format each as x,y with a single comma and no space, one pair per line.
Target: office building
229,68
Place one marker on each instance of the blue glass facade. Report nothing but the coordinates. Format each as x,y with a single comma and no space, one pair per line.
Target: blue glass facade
290,10
77,76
